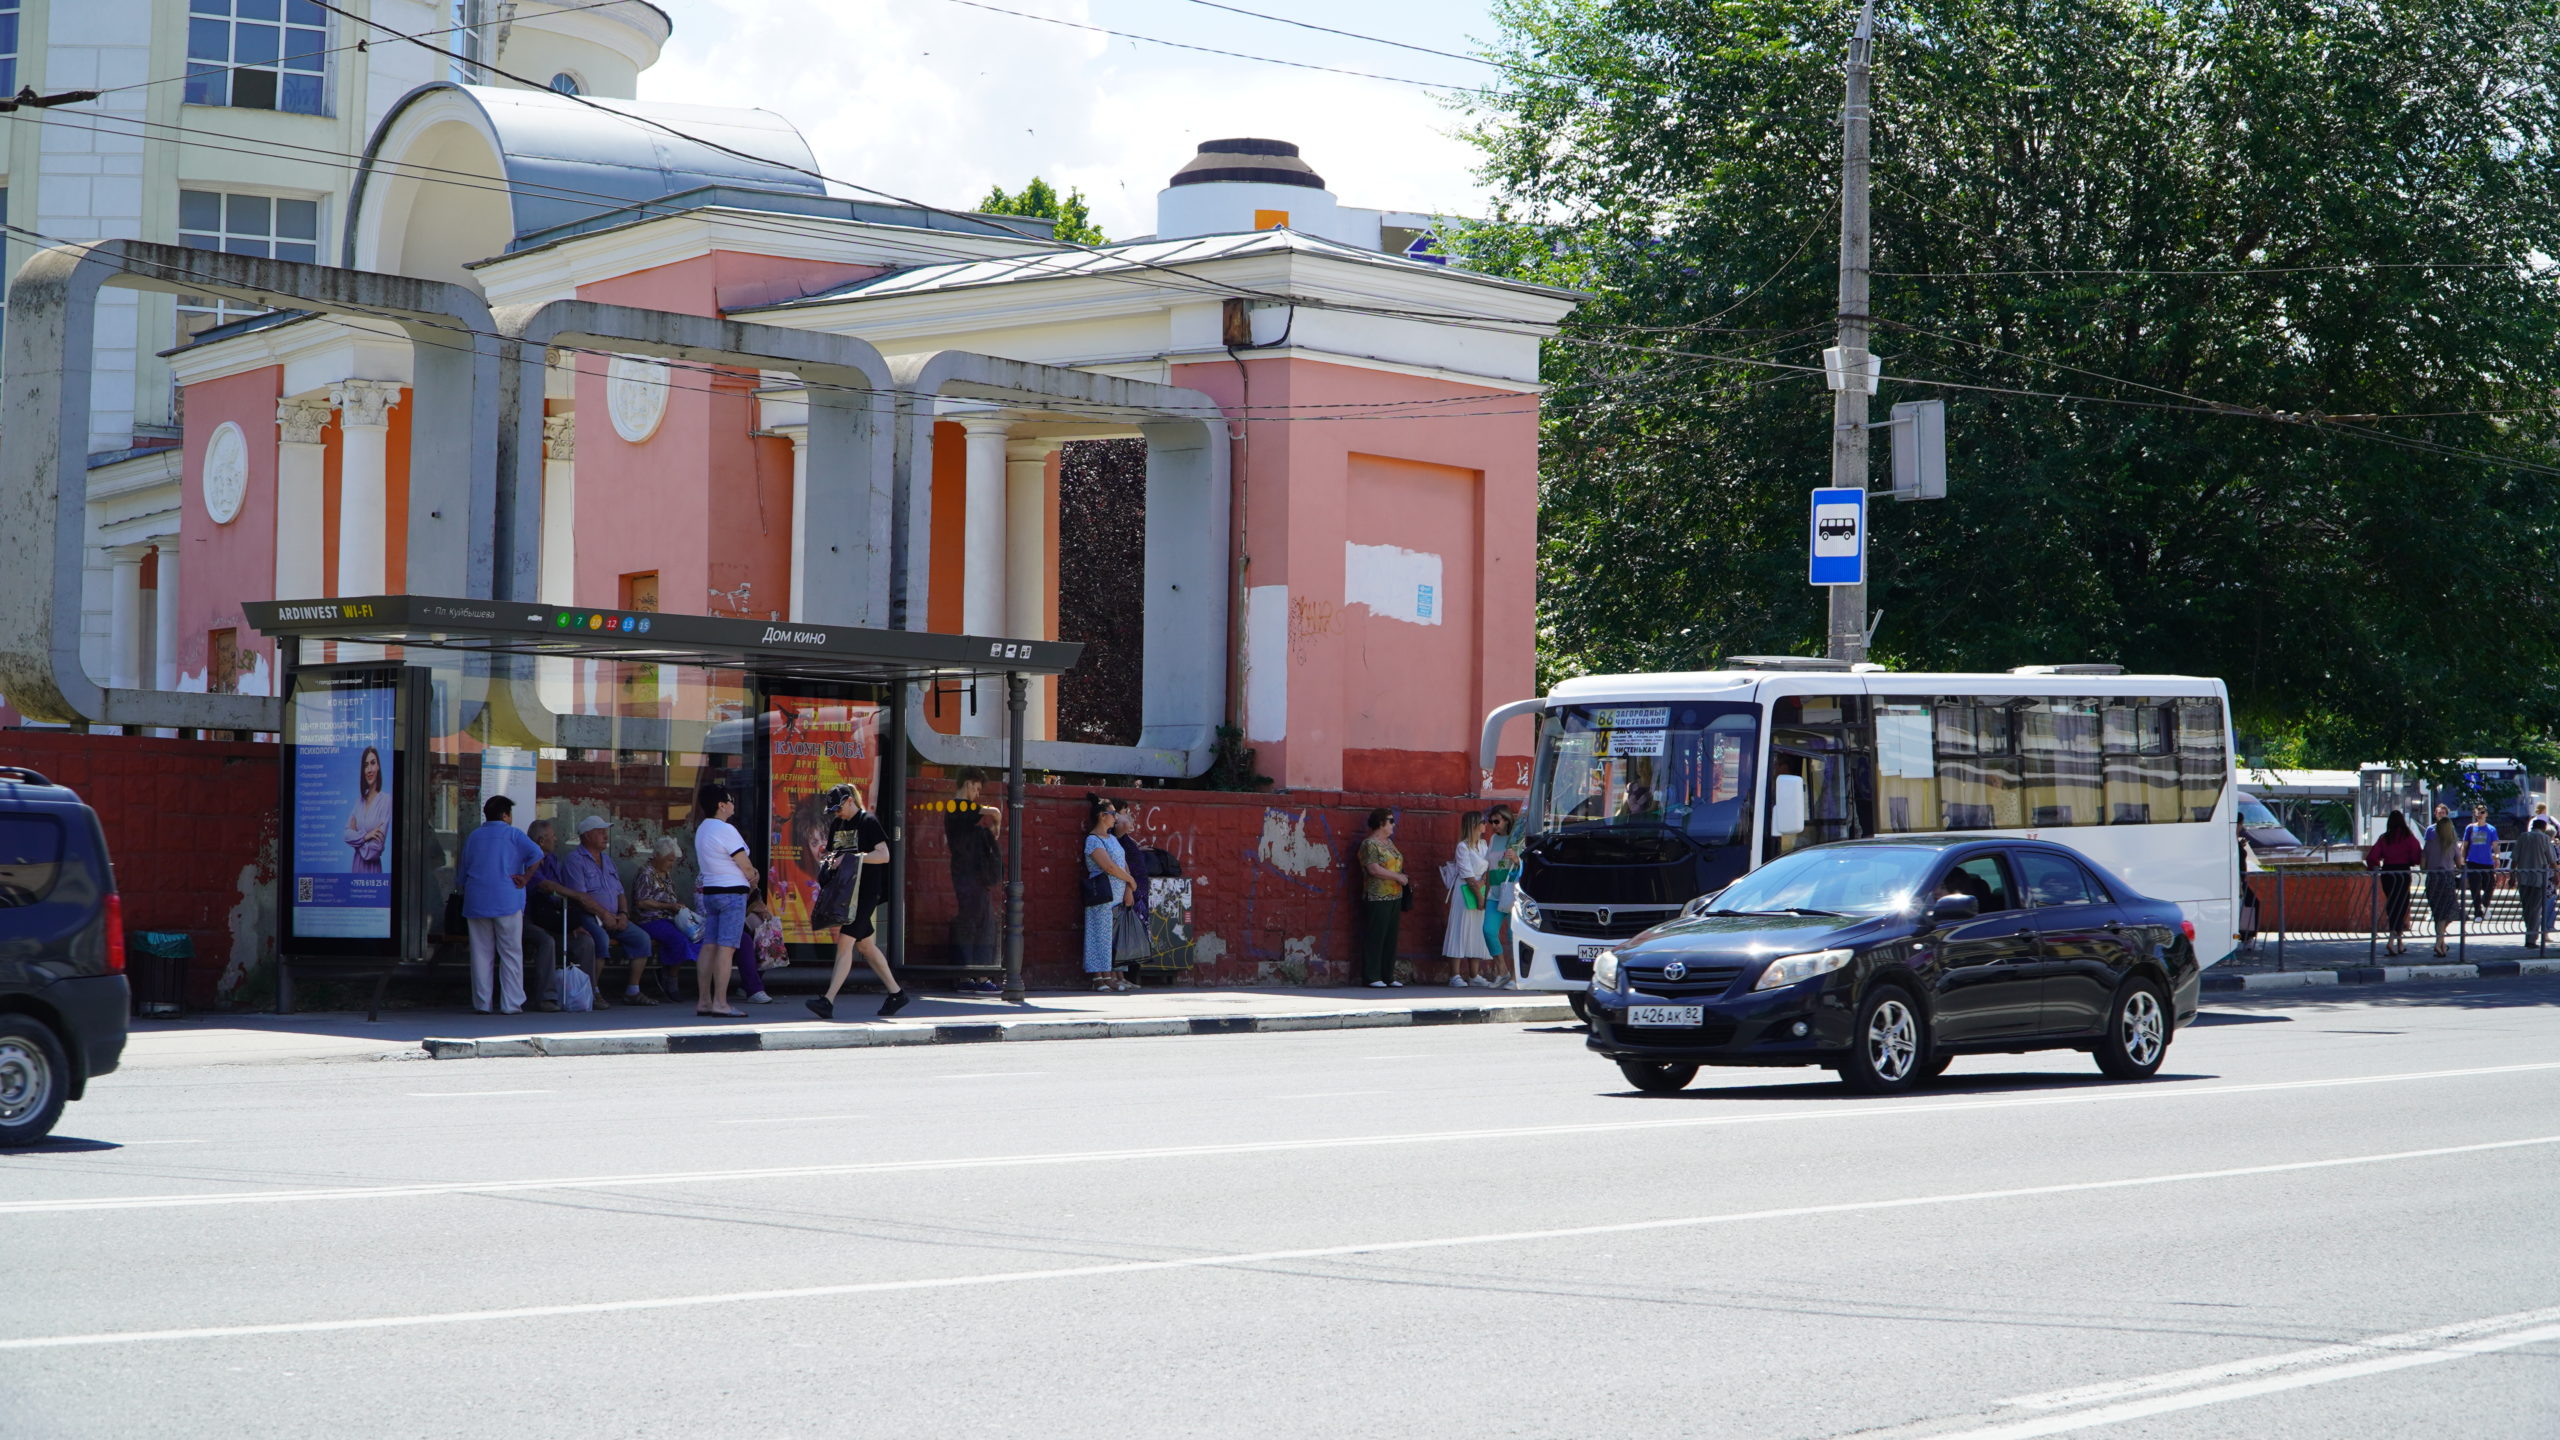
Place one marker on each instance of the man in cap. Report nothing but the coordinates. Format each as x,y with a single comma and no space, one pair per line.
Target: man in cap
599,911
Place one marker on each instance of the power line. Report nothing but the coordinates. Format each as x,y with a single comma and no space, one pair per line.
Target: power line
1379,40
2350,267
1230,54
561,7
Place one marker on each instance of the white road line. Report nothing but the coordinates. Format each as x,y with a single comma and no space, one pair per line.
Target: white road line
467,1094
1843,1110
2252,1389
991,1075
130,1143
1392,1057
792,1119
1332,1094
1329,1252
2105,1391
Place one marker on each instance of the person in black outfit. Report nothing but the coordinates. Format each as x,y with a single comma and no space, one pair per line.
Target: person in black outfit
857,857
977,868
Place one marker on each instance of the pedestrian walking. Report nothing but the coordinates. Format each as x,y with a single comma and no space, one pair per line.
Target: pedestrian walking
1385,892
2442,862
1106,888
2480,860
2391,856
1502,872
1462,938
497,862
728,876
2530,863
855,876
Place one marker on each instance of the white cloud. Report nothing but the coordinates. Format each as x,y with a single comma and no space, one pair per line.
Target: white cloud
936,101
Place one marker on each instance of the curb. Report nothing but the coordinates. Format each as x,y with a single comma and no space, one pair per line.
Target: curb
2376,975
824,1036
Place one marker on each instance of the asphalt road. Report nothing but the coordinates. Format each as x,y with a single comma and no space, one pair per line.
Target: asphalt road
2334,1216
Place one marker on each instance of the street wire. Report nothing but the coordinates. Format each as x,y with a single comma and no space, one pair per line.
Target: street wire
1233,54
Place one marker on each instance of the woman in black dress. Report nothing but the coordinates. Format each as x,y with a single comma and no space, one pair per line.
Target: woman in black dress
857,856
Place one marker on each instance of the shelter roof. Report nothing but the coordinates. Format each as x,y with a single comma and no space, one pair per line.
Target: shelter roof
804,650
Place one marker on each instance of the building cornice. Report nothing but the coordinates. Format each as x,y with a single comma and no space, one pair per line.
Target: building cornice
556,270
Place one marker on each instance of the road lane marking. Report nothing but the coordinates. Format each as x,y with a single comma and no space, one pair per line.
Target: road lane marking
2268,1385
467,1094
2113,1390
792,1119
1332,1094
129,1143
1328,1252
1845,1110
992,1075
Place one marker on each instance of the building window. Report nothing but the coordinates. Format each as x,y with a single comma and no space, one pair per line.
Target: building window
470,46
8,47
260,225
258,54
567,84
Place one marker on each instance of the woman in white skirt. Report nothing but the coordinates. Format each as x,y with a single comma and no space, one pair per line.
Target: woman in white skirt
1462,941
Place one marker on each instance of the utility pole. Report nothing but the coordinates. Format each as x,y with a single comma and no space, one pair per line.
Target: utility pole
1851,378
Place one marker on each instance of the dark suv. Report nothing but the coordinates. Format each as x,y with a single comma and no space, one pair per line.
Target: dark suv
62,990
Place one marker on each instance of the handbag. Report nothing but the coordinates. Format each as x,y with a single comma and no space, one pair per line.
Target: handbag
689,922
1097,888
834,905
1129,939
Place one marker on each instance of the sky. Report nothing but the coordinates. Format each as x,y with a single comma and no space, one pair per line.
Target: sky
936,100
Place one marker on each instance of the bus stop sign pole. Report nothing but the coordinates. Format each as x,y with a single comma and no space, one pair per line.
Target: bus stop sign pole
1016,704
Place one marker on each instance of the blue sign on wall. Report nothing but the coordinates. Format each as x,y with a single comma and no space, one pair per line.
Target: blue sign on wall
1839,537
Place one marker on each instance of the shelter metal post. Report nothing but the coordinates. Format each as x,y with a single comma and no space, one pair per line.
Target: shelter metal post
893,810
288,660
1016,705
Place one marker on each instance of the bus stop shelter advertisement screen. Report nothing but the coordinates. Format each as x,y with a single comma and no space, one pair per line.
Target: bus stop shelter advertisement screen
344,835
814,745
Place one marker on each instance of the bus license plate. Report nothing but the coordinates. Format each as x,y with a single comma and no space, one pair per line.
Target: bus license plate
1588,952
1664,1015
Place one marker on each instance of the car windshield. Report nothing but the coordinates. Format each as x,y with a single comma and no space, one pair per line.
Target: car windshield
1684,766
1839,880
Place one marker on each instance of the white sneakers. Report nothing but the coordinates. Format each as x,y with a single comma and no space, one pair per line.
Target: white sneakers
1459,982
1377,984
759,998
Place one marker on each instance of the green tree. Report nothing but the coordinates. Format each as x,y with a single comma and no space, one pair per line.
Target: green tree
1042,201
2290,255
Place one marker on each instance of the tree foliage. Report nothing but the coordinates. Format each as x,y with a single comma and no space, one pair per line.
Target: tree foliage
2286,254
1041,200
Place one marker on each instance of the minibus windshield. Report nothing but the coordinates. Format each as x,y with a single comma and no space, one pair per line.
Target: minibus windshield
1684,766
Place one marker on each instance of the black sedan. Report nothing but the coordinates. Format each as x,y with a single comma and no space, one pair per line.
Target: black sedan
1885,959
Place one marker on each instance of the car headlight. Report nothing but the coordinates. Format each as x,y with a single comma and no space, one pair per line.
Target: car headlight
1525,910
1788,969
1604,971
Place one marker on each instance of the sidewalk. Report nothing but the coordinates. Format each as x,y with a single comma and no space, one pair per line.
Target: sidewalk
932,1019
2311,963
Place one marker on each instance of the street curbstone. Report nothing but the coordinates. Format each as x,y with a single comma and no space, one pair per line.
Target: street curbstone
488,1049
2272,980
1145,1029
600,1044
1057,1030
2397,973
451,1049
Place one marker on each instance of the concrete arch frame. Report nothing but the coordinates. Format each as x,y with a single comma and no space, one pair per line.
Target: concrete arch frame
454,524
1187,578
848,541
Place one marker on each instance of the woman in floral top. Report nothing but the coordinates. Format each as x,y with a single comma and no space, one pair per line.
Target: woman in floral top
1382,886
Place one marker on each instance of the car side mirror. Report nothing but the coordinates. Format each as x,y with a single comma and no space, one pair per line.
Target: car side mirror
1948,908
1786,806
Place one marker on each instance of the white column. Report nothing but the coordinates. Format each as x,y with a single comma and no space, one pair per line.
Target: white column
800,557
301,505
982,547
559,510
164,620
364,474
125,619
1026,586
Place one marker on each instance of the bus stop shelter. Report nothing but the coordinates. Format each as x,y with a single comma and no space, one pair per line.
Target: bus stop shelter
398,707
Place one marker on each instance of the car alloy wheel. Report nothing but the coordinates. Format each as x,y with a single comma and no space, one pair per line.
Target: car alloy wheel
1892,1041
26,1080
2143,1028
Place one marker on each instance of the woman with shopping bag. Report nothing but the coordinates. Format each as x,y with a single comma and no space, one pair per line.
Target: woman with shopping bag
853,880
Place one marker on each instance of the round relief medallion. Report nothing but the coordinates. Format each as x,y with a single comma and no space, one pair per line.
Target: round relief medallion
226,473
635,391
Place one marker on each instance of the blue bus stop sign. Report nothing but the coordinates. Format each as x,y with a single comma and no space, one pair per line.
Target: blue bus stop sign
1839,537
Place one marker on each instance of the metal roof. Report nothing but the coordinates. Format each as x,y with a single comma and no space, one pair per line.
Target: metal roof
803,650
570,159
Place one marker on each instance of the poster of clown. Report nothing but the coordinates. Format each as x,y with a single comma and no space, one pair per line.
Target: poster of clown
812,745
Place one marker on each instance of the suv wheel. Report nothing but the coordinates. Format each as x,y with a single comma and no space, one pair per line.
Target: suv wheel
1658,1077
2137,1037
33,1080
1889,1048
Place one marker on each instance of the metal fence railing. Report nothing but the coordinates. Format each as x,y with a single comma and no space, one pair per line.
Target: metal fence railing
2479,905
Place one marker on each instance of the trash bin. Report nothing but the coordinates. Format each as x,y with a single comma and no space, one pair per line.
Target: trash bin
156,964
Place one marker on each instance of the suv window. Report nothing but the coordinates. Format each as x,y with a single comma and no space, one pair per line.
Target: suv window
30,858
2056,880
1985,879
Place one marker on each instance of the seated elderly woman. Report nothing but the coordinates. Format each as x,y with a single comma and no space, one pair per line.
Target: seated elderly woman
654,902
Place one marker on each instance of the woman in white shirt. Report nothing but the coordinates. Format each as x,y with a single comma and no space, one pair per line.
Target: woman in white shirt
1462,940
728,876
